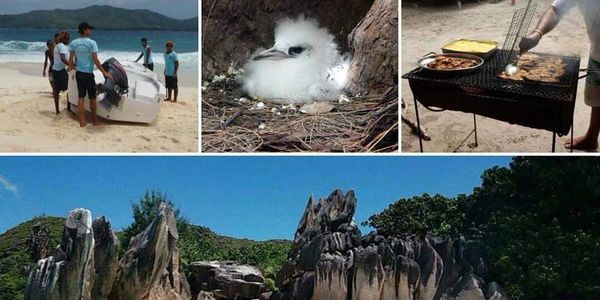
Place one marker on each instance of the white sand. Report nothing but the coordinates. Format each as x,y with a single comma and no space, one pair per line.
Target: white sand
428,29
28,122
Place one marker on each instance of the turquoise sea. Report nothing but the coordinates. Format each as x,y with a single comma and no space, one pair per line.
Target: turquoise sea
28,45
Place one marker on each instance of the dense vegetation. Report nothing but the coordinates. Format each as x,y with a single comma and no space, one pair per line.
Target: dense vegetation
196,243
103,17
536,222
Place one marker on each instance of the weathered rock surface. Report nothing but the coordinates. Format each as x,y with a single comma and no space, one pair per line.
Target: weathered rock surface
330,259
106,258
38,242
225,280
86,264
149,269
374,47
68,275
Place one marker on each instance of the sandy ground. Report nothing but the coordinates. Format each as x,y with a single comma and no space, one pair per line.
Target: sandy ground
28,122
429,28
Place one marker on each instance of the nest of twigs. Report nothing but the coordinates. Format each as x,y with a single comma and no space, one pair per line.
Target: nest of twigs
363,124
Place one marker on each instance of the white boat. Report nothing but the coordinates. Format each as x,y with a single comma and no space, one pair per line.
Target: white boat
140,103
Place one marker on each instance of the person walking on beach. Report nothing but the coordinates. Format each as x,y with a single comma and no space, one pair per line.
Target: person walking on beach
147,55
84,55
171,67
59,72
49,59
590,9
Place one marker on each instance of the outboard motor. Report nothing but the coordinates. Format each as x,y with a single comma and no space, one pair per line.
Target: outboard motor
113,88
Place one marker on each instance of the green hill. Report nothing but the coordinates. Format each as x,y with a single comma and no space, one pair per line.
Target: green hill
101,16
15,258
196,243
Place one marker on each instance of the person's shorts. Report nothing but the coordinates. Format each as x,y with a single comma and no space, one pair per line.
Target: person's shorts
50,77
150,66
593,78
171,82
61,80
86,85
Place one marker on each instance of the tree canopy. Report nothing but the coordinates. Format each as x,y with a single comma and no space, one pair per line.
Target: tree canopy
535,222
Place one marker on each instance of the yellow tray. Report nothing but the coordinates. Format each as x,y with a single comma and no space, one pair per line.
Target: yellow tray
481,48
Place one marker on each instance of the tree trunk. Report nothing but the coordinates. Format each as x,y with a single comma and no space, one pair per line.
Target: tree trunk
374,46
233,29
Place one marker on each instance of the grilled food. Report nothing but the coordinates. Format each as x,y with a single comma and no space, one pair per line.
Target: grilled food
538,69
451,63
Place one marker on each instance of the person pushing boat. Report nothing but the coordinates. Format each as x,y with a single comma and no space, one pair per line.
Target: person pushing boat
59,72
146,54
83,57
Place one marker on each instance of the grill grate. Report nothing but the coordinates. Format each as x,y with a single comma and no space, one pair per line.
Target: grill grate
487,78
518,28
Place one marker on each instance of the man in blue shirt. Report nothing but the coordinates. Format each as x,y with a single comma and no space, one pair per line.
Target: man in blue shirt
171,67
147,55
84,55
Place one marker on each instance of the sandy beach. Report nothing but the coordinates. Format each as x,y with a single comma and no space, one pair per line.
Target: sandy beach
427,29
28,122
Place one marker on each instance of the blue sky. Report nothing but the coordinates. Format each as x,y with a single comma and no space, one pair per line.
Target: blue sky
247,197
179,9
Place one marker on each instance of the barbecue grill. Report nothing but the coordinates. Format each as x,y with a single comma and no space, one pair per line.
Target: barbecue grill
547,106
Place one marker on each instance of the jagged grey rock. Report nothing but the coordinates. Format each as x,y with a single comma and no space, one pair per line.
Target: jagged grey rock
106,258
86,267
70,275
330,259
149,268
226,280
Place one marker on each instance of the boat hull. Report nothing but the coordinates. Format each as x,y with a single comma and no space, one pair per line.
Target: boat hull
140,105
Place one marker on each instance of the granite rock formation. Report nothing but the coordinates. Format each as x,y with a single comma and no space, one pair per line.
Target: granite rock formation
86,264
225,280
149,269
330,259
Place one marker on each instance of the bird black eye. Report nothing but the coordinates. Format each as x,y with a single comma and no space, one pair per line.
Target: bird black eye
295,50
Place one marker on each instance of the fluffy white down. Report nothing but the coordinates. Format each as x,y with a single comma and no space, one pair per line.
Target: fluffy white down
318,74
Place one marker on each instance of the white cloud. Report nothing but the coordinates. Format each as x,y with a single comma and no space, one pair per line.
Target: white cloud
7,185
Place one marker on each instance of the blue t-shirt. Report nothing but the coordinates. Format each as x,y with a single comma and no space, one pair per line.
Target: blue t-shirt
59,49
83,48
148,56
170,59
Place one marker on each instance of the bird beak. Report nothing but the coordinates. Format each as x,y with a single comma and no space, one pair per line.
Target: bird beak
271,54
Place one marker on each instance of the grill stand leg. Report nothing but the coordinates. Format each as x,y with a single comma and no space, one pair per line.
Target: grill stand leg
553,142
475,129
572,133
418,125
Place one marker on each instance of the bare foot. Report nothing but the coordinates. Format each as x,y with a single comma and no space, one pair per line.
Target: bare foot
168,99
582,143
82,124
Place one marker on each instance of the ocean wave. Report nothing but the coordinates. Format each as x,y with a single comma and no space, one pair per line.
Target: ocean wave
7,46
21,51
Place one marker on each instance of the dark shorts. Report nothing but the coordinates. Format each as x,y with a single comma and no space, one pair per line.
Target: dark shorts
593,77
171,82
150,66
61,80
86,85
